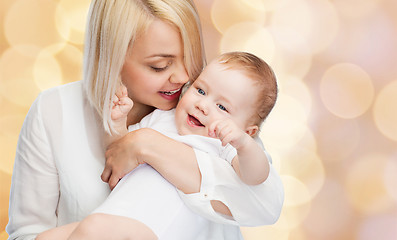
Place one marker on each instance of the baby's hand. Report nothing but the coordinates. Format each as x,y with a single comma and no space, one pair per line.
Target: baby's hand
122,104
228,132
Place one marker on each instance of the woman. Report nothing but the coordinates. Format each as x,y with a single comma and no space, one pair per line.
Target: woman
60,153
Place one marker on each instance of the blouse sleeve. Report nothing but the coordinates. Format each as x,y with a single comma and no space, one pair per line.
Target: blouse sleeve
250,205
34,187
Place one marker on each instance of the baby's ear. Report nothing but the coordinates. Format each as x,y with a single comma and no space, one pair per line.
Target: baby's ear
252,130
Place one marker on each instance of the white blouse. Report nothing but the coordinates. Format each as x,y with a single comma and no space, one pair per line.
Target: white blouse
60,157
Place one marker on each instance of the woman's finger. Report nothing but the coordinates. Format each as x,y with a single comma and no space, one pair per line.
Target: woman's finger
113,181
106,174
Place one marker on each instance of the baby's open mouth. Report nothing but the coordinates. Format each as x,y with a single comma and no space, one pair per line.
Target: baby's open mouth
194,121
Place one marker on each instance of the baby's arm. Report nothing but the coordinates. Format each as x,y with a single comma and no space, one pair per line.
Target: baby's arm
121,106
250,163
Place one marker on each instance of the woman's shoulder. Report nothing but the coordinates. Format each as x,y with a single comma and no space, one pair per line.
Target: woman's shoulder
71,88
61,95
54,101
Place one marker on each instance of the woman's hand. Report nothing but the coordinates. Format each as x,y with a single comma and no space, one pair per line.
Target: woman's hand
120,159
174,160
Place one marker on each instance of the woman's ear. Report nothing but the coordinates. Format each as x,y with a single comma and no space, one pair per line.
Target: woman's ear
252,130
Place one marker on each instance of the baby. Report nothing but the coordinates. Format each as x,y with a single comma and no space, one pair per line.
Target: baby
220,113
228,101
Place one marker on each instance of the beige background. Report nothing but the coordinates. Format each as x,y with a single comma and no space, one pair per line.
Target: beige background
333,133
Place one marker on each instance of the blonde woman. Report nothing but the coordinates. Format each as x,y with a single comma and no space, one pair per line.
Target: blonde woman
153,48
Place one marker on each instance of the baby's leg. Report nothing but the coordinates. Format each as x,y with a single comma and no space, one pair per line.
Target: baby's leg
59,233
100,226
146,196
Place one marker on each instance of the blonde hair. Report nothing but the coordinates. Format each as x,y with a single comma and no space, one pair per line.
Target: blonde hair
262,76
113,26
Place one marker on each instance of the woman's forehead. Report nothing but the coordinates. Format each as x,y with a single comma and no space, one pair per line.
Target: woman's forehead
160,39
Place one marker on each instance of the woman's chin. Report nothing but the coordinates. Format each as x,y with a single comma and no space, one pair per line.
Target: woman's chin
166,107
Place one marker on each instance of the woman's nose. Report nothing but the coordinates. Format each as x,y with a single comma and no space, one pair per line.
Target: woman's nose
180,75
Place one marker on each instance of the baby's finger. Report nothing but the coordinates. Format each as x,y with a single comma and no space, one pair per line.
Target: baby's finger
119,91
124,90
126,101
221,124
223,131
228,138
217,126
212,127
115,101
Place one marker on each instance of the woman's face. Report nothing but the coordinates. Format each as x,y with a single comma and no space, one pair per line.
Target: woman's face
154,70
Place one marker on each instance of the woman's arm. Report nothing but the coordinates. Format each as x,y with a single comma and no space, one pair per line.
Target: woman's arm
174,160
206,183
35,188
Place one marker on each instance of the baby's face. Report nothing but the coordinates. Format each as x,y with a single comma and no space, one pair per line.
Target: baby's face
218,93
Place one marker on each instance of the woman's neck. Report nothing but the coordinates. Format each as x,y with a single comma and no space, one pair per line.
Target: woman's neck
138,112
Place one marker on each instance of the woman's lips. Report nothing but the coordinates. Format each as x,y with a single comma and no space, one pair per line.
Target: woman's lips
193,122
171,95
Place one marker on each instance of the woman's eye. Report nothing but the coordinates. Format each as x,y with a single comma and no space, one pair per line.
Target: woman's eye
200,91
221,107
159,69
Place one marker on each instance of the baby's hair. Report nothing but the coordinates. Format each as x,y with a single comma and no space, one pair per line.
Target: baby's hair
262,76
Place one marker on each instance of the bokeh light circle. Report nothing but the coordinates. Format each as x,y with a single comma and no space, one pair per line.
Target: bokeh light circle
346,90
266,5
293,18
365,184
356,8
31,23
314,22
294,87
292,216
225,13
332,203
291,63
325,25
46,70
71,60
331,131
71,17
304,164
238,35
261,44
3,235
264,232
379,227
385,114
390,176
16,74
296,192
286,124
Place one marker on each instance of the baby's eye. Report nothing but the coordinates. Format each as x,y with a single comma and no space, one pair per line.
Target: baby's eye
221,107
200,91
